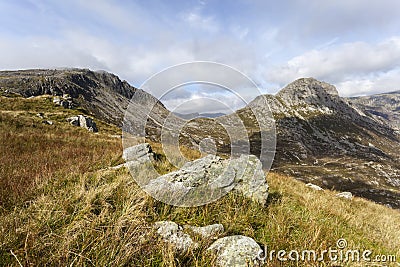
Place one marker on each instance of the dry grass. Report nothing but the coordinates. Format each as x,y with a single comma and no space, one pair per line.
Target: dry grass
86,215
33,152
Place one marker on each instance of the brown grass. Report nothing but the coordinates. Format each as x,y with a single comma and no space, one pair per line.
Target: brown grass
33,152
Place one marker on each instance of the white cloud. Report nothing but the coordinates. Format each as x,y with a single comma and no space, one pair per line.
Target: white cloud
381,83
199,21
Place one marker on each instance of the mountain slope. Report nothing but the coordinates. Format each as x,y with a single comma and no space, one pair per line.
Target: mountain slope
322,139
101,94
382,107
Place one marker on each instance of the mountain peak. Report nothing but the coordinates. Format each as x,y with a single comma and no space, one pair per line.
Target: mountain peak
308,86
309,91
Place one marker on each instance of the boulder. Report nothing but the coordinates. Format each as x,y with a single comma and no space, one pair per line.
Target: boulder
314,187
140,153
173,234
345,195
236,251
206,179
64,102
250,178
83,121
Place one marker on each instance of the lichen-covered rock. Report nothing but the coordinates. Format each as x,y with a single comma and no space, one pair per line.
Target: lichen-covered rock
204,180
236,251
250,178
173,234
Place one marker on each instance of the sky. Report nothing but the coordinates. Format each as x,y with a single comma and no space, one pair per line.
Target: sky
352,44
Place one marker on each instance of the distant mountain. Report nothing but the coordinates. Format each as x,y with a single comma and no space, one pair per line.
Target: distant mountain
189,116
382,107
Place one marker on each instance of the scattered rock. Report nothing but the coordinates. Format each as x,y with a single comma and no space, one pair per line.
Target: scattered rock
83,121
135,155
346,195
206,231
173,234
236,251
47,122
315,187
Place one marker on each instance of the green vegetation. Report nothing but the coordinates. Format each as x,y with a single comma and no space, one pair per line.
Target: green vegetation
61,205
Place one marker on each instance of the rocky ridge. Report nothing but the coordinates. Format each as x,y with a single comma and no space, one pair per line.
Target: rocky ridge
99,93
382,107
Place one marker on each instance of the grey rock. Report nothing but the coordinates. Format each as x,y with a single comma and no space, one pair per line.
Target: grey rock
65,103
83,121
250,178
236,251
345,195
313,186
140,153
206,231
173,234
200,180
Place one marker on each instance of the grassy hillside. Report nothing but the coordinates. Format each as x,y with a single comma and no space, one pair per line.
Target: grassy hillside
61,205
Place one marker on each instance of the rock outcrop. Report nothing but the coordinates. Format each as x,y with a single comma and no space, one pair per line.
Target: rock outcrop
314,187
84,122
345,195
174,234
140,153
